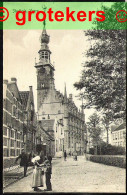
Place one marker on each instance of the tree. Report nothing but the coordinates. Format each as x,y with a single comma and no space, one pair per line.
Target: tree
94,130
103,78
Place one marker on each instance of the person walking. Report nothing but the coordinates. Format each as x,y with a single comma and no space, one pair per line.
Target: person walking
65,155
37,180
24,161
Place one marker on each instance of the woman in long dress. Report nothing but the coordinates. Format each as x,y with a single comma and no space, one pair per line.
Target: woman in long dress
37,180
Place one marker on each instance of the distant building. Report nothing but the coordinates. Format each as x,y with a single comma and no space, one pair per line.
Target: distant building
118,135
51,104
12,122
47,140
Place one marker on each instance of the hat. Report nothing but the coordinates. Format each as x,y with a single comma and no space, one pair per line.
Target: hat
35,159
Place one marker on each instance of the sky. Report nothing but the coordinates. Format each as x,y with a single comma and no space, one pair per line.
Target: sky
21,47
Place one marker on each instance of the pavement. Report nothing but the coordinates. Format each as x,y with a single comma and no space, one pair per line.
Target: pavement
78,176
13,174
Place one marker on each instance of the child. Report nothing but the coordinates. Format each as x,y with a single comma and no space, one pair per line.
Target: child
48,173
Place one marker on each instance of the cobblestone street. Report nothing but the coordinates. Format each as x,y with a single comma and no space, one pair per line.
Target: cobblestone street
78,176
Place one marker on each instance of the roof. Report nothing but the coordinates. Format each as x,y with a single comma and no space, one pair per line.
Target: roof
47,134
48,124
24,95
120,127
113,127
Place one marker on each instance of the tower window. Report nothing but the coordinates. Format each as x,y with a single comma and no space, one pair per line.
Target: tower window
46,55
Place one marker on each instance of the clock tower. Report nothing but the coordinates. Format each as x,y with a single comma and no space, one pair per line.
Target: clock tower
45,70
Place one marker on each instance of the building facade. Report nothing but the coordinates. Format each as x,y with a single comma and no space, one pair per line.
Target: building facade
118,135
12,122
51,104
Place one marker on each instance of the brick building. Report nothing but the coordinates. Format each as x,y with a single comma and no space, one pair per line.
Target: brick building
12,122
57,106
19,121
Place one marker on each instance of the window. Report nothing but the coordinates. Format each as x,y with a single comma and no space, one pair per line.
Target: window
61,131
46,55
59,111
121,134
18,135
18,152
13,110
118,135
5,141
69,142
56,129
12,134
57,144
12,152
18,144
12,143
5,152
4,131
42,54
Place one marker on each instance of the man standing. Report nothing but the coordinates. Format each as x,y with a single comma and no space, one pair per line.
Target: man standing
24,161
65,155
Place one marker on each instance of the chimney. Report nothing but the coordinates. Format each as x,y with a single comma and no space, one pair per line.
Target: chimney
13,79
5,82
30,87
70,97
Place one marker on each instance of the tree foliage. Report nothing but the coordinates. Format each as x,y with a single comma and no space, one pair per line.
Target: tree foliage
94,128
103,78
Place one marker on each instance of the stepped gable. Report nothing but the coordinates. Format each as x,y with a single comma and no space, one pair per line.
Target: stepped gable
13,88
24,95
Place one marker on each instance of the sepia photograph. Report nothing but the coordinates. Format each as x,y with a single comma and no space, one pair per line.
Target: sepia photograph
64,110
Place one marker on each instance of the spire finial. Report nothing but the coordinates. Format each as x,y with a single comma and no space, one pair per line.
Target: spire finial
44,22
